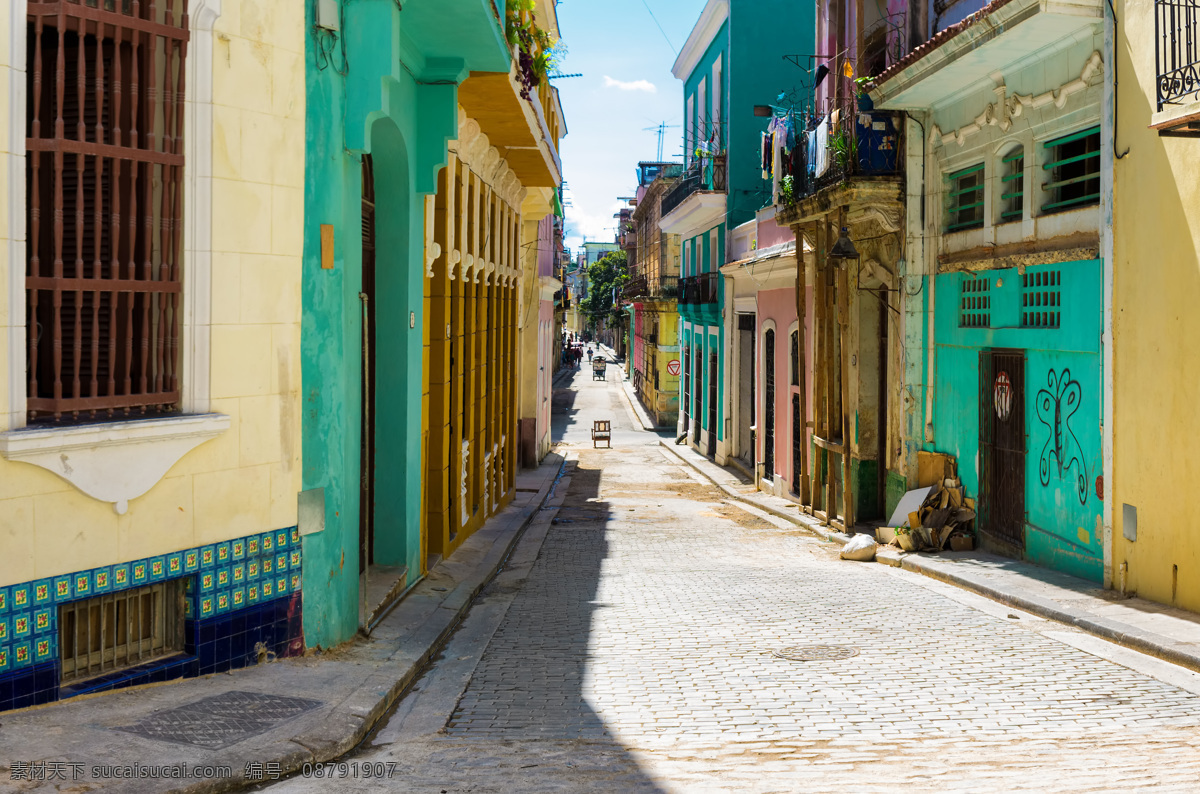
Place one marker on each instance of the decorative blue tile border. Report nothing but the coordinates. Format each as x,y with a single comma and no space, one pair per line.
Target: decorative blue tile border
222,578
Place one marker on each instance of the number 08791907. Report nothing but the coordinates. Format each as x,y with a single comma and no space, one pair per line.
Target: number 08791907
348,769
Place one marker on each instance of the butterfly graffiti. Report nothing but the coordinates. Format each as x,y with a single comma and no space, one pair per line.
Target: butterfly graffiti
1056,404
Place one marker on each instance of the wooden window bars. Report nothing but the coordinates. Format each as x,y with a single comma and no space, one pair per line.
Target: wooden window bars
104,177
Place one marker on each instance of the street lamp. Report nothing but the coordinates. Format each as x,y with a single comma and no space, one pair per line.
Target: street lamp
842,247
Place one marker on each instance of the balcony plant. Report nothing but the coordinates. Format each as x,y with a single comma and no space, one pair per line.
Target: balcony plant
787,191
861,86
844,146
536,50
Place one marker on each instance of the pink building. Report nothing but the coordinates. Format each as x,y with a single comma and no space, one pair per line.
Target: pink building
764,355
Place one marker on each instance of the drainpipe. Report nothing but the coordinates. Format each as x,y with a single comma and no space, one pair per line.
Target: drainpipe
1108,136
930,256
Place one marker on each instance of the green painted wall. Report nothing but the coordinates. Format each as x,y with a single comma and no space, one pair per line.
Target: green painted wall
374,106
761,32
1062,393
750,44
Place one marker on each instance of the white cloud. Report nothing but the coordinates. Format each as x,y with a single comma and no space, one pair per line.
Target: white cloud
636,85
584,225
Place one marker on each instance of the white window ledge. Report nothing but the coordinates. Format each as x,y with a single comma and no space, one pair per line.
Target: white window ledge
115,461
1176,116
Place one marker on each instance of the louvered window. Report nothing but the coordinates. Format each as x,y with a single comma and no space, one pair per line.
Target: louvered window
1072,171
966,199
104,179
1013,183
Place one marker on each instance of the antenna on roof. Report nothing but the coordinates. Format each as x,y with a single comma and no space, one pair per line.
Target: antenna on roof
661,128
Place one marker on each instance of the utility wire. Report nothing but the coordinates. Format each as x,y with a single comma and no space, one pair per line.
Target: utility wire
660,27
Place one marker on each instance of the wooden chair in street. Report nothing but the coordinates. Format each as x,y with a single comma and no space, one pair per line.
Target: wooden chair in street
602,431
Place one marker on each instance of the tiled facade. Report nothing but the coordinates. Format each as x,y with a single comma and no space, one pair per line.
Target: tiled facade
243,601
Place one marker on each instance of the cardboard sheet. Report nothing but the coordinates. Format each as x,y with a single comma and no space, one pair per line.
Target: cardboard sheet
910,502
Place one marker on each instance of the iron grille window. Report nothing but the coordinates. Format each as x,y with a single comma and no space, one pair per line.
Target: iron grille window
975,303
1041,299
795,358
1013,186
104,174
769,405
1177,55
110,632
1073,168
966,199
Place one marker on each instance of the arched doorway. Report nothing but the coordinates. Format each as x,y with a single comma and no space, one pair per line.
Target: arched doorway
366,296
390,482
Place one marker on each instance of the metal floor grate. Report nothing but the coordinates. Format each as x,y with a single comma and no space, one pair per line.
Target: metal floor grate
221,720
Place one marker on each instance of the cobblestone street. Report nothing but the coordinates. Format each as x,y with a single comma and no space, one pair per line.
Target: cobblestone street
631,645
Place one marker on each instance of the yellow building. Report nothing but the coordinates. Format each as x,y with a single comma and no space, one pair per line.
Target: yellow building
483,291
654,292
150,445
1155,287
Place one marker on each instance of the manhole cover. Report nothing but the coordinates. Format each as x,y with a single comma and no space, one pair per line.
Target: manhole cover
816,653
221,720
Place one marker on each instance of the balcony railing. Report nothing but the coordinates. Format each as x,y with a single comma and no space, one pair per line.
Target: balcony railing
665,286
704,174
859,142
698,290
636,288
1177,31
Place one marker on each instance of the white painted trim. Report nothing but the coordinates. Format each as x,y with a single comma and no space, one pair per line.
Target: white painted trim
695,215
1001,112
197,209
689,127
716,90
16,216
711,18
116,461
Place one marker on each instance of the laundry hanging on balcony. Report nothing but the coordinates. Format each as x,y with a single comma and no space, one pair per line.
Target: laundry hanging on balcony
818,148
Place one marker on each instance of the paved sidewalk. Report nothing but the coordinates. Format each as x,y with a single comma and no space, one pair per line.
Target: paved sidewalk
639,410
1166,632
318,707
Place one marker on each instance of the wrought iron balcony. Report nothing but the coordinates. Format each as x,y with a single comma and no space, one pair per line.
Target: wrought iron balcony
862,142
1177,57
698,290
636,288
665,286
704,174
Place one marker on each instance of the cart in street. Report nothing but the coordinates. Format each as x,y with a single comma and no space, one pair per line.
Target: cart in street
598,368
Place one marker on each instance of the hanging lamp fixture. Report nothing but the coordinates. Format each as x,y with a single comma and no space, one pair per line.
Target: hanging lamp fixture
843,248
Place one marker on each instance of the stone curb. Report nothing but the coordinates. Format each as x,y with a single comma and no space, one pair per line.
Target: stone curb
640,411
1115,631
1121,633
357,715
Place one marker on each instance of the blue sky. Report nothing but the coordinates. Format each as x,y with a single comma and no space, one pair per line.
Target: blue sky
626,86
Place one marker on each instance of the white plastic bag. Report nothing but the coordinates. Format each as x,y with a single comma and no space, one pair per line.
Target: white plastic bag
860,547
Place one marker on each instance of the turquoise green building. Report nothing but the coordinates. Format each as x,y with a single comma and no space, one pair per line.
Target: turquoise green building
732,61
382,90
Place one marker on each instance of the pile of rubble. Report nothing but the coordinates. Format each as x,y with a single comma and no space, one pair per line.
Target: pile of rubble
944,517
